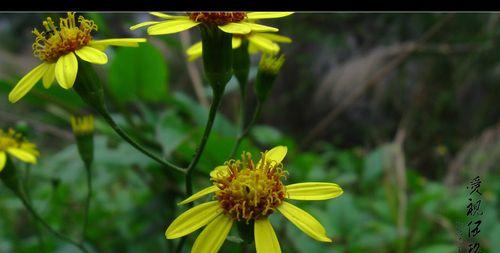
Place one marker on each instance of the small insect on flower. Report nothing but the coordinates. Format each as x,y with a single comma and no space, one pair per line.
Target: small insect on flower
58,47
258,42
229,22
248,192
13,143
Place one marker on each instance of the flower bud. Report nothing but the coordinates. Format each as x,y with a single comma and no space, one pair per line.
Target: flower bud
241,64
88,86
217,56
83,129
269,67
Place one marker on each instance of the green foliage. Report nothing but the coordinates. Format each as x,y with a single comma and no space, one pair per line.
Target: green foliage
135,199
138,73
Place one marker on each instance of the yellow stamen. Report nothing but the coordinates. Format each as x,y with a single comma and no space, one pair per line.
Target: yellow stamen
54,42
217,18
248,191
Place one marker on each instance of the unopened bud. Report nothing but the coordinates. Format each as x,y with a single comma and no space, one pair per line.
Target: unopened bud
269,67
83,129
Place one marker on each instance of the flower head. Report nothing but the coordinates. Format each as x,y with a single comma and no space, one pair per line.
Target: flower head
229,22
271,64
258,42
83,129
83,125
13,143
249,192
58,47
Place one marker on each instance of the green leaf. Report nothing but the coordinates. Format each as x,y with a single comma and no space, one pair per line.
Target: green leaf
171,132
138,73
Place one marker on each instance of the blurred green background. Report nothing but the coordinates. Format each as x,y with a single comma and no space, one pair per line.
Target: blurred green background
401,110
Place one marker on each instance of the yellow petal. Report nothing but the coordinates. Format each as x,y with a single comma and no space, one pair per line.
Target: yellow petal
220,171
260,28
264,15
313,191
22,155
265,238
236,42
194,57
304,221
277,153
92,55
171,26
264,44
199,194
166,16
212,237
48,77
125,42
252,49
237,28
143,24
195,49
66,69
275,37
193,219
27,82
3,160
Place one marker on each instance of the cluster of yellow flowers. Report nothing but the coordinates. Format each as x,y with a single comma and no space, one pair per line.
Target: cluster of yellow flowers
244,191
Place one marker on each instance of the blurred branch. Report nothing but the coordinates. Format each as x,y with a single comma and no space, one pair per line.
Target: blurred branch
194,73
400,168
378,77
480,152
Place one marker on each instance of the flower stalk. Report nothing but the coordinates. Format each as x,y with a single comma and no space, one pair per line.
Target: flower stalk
89,88
83,129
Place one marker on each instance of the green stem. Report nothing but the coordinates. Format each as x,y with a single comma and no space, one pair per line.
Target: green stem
201,146
246,130
22,196
28,197
127,138
88,173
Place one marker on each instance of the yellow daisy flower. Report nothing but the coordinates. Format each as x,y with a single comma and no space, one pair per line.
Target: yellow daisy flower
14,144
258,42
229,22
58,47
249,193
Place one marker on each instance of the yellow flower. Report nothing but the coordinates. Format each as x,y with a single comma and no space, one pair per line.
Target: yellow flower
229,22
83,125
14,144
58,47
249,193
258,42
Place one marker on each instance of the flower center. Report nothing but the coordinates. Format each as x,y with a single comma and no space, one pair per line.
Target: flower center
9,139
248,191
57,41
217,18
